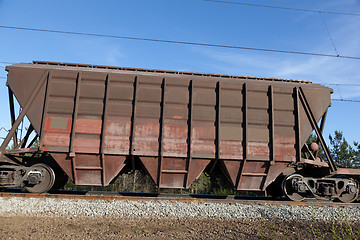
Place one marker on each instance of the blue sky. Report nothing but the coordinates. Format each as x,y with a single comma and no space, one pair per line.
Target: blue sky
194,21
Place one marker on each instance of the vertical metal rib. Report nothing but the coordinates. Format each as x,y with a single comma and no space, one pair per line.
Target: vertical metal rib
245,122
161,133
133,116
297,124
217,127
271,136
190,123
73,125
218,141
244,142
271,124
104,119
75,113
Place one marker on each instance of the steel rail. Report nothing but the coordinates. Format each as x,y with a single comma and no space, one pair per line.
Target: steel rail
187,198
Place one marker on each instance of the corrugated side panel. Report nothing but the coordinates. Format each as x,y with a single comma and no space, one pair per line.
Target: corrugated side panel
176,114
176,125
118,125
204,119
231,121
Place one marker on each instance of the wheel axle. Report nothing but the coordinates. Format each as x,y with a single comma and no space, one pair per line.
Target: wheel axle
297,187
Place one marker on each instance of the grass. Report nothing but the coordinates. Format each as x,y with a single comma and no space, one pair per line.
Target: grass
340,228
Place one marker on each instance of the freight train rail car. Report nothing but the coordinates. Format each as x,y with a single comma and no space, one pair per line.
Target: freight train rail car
93,120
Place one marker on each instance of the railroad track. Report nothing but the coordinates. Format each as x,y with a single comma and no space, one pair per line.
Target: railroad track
195,198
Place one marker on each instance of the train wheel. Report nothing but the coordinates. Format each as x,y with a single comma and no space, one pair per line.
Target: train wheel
351,193
47,181
290,186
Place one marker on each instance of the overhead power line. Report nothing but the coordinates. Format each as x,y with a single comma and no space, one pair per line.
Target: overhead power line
328,32
344,100
181,42
283,8
340,84
2,128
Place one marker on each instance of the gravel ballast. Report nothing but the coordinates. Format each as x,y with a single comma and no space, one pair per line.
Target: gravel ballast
49,207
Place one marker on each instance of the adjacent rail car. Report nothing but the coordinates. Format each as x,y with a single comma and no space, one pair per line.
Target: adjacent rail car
90,119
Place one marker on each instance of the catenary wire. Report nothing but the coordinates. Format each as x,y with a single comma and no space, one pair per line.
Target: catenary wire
345,100
283,8
339,92
182,42
340,84
328,32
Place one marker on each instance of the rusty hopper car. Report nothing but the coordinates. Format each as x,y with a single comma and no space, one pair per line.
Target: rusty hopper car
93,120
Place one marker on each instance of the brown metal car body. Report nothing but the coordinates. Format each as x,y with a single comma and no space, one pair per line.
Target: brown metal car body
91,118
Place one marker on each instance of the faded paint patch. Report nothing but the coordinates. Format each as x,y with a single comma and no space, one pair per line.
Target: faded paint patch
231,150
89,126
56,139
116,145
55,124
175,132
86,145
175,147
258,149
146,130
118,128
59,123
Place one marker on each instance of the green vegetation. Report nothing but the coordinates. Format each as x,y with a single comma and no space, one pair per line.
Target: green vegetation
341,229
138,181
343,153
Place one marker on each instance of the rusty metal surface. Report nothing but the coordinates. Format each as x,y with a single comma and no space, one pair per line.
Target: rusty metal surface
91,117
348,171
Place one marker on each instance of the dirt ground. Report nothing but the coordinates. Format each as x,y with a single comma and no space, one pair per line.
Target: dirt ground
21,227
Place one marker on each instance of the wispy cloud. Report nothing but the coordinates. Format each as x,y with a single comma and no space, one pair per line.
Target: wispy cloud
105,52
